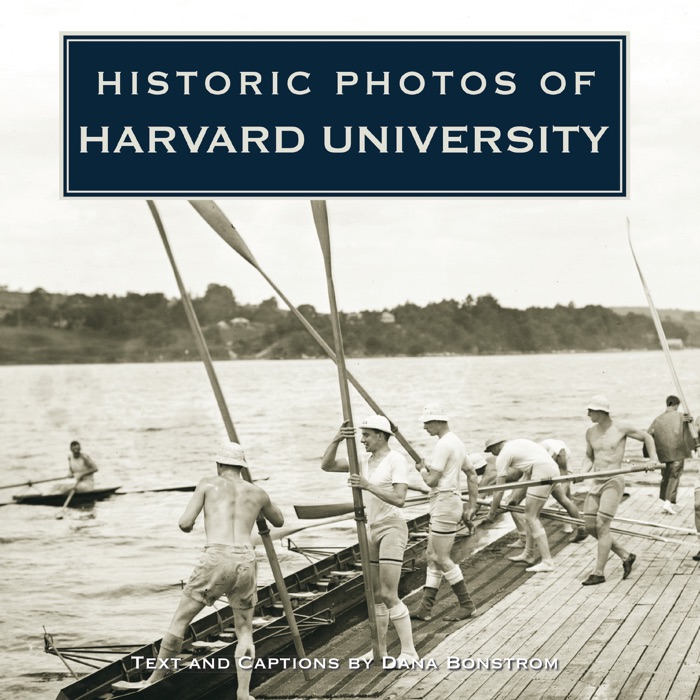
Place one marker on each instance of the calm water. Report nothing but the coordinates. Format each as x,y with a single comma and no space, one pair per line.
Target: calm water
111,574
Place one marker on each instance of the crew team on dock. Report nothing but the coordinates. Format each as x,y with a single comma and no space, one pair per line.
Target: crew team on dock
232,505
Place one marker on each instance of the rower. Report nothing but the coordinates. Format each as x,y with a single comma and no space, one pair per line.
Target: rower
527,457
231,506
443,475
605,448
384,478
81,469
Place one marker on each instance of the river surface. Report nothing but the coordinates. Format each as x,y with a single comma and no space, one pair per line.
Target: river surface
110,574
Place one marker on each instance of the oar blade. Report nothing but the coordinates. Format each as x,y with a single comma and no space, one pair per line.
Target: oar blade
211,213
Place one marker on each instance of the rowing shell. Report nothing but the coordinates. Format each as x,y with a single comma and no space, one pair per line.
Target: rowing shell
80,498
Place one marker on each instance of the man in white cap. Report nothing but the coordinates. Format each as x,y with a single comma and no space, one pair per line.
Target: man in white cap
449,460
384,478
533,461
231,506
561,492
605,448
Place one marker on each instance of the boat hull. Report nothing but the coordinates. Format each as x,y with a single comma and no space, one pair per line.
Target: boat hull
58,499
341,598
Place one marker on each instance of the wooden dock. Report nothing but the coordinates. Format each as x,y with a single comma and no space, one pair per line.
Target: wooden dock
546,635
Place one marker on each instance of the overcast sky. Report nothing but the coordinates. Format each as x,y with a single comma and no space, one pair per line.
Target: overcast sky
386,252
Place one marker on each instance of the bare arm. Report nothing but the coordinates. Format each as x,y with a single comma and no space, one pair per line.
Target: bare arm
472,486
590,456
91,464
329,462
272,514
496,502
430,476
644,437
194,508
395,496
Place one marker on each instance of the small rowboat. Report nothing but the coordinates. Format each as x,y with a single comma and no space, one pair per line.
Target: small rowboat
326,595
80,498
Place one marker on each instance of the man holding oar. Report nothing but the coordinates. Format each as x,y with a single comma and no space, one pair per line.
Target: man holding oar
81,468
449,460
605,448
670,433
231,506
533,461
384,478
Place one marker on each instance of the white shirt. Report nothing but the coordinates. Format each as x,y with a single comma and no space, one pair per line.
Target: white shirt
393,469
554,447
448,457
522,455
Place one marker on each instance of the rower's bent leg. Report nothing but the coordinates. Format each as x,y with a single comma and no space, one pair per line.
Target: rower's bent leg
533,507
245,649
430,591
172,641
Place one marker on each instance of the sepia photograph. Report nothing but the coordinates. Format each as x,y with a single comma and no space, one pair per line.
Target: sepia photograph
246,437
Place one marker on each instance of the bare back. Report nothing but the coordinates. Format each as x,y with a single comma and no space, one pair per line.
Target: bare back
231,507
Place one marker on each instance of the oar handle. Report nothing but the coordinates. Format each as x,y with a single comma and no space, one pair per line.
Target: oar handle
570,477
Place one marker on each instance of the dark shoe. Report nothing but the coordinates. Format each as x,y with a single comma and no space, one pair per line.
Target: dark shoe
593,580
581,535
625,495
627,565
697,557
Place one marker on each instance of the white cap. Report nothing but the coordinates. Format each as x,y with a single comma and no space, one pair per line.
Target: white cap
231,454
599,403
477,460
376,422
433,411
492,440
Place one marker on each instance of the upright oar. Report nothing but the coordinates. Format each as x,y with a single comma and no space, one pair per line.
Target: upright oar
662,339
322,229
216,218
263,529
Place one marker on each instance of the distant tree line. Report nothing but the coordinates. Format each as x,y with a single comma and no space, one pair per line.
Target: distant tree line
470,326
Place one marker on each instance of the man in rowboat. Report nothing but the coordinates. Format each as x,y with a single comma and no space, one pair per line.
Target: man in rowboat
231,506
449,460
384,478
605,448
81,469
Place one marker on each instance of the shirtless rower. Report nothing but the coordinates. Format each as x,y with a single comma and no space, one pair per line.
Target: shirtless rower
231,506
605,448
449,460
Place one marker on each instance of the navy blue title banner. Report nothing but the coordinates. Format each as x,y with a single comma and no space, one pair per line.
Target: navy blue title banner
341,115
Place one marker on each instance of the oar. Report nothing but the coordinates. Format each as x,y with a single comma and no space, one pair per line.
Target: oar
211,213
31,483
263,528
569,477
662,339
67,502
282,532
322,229
621,531
327,510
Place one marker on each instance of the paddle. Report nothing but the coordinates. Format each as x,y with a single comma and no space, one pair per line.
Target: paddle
67,502
211,213
320,215
31,483
263,528
662,339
